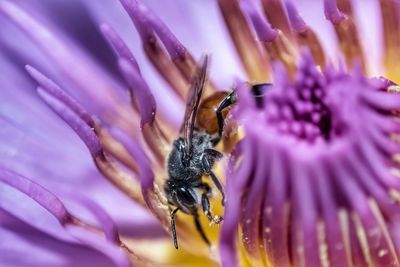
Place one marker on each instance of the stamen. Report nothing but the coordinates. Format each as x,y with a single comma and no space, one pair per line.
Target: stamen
296,21
264,30
119,46
332,228
71,223
251,220
391,33
53,89
345,6
385,232
39,194
75,65
277,16
74,121
276,211
181,57
123,51
305,217
103,219
340,163
112,251
332,12
305,35
347,34
147,177
134,149
393,89
120,179
147,106
234,187
140,90
153,49
275,43
109,145
175,49
254,60
116,149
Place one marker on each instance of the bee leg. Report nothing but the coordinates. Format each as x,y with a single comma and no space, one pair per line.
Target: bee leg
258,91
200,229
226,102
173,227
205,202
209,156
213,153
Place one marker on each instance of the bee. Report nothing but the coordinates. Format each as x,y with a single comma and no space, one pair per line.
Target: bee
214,109
193,155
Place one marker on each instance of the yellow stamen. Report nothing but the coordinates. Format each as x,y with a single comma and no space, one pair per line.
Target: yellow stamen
276,15
254,60
187,66
121,180
349,42
166,68
283,50
116,149
391,34
309,39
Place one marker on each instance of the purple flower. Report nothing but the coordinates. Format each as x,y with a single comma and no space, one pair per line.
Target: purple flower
312,179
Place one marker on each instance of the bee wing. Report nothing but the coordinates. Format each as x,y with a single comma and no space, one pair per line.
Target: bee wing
193,101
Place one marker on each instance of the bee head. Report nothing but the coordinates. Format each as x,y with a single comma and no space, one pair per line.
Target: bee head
183,197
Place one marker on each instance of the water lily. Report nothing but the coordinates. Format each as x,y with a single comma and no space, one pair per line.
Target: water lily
92,97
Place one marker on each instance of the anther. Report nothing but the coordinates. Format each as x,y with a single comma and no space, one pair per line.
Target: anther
346,32
254,60
305,35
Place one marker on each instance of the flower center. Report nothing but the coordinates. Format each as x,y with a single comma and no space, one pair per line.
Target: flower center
301,111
